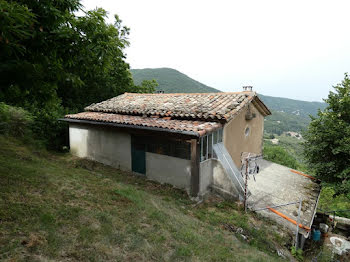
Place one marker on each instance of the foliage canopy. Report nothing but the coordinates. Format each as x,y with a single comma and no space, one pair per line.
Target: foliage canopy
54,61
327,145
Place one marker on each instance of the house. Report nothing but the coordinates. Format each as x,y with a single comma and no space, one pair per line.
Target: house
173,138
196,142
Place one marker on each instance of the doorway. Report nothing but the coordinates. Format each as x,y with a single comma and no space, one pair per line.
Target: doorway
138,157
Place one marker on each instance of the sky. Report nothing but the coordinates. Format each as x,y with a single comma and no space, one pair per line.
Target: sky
296,49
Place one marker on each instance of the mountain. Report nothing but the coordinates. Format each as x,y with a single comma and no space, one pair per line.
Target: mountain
171,81
291,106
287,114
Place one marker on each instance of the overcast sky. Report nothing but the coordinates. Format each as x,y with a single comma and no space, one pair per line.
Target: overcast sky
295,49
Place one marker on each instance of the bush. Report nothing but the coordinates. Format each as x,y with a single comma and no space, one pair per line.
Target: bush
330,200
48,129
280,156
15,121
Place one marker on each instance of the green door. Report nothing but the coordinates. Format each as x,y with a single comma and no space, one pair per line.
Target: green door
138,157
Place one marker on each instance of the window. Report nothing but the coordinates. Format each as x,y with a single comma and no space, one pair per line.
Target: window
220,135
203,143
207,142
173,148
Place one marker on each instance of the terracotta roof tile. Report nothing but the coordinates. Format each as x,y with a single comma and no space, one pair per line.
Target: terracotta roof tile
215,106
198,127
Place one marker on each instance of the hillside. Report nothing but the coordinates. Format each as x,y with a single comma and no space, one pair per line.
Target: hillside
279,122
171,80
287,114
291,106
54,207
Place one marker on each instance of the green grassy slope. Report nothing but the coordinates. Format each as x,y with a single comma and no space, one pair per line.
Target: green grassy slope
57,207
293,114
171,80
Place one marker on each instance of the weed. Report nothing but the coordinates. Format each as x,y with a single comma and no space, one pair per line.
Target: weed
297,253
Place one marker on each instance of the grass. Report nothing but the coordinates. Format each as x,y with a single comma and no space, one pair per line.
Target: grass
57,207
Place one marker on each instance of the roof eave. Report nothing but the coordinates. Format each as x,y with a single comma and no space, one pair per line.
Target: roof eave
263,109
82,121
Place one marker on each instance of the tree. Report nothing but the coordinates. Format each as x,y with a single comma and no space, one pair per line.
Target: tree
327,145
147,86
53,61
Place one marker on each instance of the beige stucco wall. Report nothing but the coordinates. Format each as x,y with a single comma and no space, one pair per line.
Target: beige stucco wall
104,145
235,139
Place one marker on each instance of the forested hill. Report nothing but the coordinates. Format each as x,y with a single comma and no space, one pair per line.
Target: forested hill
171,80
296,107
288,114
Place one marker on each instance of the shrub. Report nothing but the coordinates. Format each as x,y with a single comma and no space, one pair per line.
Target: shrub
48,129
297,253
15,121
330,200
280,156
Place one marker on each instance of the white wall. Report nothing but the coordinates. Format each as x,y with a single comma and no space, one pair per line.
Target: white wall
78,136
168,169
104,145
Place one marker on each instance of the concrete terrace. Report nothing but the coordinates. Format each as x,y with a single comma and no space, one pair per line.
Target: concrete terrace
275,185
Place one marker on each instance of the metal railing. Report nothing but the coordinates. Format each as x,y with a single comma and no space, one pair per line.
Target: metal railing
231,169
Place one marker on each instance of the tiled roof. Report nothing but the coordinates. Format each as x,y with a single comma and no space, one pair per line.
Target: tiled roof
203,106
195,127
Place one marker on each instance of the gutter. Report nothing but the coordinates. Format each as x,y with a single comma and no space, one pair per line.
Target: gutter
79,121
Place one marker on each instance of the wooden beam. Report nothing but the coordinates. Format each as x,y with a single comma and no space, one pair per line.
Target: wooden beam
195,155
